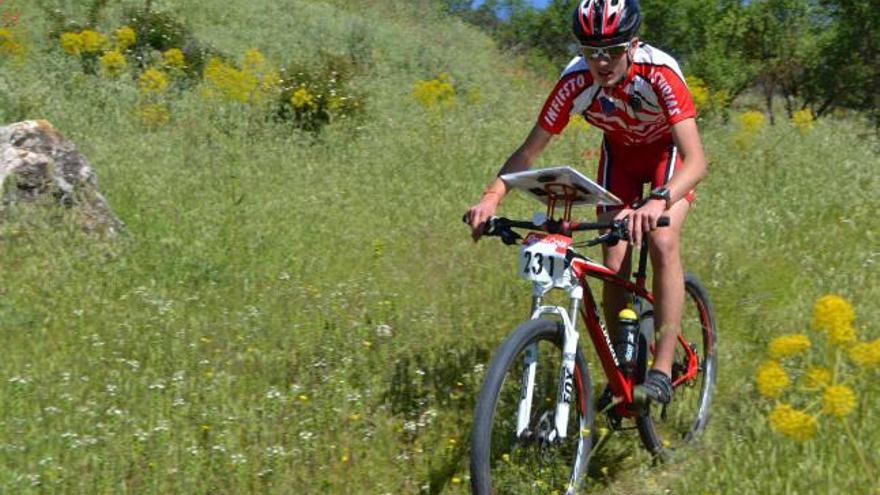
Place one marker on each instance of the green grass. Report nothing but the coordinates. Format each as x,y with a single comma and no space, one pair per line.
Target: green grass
228,343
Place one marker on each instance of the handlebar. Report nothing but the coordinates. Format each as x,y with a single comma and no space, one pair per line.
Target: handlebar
617,229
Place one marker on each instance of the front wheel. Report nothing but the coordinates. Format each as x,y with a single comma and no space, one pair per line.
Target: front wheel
687,414
503,462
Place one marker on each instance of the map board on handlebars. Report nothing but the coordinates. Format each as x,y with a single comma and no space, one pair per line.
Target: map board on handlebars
565,183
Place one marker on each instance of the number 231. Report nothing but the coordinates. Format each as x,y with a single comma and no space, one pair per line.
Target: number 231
538,266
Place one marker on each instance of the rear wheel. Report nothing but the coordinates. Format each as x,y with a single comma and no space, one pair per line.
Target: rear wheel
503,462
687,414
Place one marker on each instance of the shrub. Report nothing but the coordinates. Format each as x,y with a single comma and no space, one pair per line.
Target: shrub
157,32
312,97
709,102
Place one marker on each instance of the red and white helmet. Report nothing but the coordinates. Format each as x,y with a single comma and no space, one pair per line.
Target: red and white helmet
606,22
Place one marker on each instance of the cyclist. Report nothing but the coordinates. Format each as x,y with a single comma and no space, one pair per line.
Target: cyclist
636,94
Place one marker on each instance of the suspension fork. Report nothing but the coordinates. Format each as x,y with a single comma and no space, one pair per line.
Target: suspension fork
565,391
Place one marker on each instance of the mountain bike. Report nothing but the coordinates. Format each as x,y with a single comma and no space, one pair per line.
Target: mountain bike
533,429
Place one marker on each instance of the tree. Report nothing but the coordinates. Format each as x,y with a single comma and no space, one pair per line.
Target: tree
848,72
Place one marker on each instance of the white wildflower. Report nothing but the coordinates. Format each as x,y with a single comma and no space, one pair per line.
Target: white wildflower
384,330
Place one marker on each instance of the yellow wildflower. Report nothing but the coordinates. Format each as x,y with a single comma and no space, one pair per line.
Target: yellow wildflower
9,46
173,57
71,43
788,345
335,103
227,82
803,120
474,96
125,37
301,98
113,63
152,81
771,379
838,400
92,41
699,92
795,424
830,311
817,377
435,92
866,354
255,66
751,122
578,125
155,115
748,125
270,80
254,61
841,333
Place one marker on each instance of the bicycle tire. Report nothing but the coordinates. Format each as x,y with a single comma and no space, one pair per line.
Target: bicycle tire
688,412
502,463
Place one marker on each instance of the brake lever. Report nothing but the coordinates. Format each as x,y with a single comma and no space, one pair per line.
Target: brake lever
508,237
610,238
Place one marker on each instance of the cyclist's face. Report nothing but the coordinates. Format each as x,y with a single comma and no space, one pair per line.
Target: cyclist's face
609,69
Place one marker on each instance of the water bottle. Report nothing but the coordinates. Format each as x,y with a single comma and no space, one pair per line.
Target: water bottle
646,318
626,344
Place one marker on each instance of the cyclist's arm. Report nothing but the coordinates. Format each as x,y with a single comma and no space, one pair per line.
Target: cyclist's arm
520,160
693,161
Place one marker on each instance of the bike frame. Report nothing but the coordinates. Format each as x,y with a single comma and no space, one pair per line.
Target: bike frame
621,386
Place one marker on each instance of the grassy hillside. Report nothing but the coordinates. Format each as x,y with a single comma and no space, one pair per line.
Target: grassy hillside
299,313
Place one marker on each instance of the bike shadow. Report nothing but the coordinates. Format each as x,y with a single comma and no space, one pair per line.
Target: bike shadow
438,386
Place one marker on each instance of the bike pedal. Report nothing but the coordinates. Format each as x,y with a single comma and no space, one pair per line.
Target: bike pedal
640,404
640,398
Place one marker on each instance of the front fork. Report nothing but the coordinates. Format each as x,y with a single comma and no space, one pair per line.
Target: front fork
565,392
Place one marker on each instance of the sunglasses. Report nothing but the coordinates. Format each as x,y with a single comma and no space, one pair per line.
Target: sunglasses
611,52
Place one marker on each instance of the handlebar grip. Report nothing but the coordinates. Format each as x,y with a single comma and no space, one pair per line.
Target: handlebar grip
663,222
487,225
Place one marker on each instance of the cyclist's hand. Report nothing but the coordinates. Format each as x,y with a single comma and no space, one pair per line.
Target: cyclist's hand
644,220
477,215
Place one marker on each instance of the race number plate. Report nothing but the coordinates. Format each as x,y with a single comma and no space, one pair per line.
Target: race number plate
542,259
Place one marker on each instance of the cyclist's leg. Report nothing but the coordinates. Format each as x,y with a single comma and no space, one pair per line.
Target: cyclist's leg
617,258
668,280
616,165
668,284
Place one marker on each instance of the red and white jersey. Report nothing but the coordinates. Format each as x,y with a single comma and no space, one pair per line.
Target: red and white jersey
639,110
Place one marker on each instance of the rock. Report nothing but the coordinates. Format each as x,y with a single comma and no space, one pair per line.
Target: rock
39,165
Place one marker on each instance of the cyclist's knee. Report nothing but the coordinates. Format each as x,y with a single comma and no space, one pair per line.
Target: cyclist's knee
664,246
